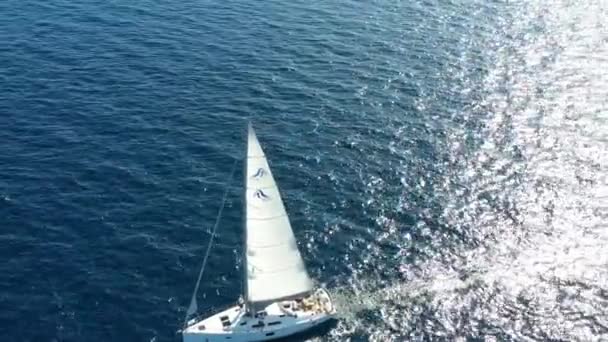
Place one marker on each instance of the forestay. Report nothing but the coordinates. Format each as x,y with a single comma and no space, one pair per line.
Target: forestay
275,269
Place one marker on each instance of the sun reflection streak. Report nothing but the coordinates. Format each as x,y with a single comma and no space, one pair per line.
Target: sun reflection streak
530,201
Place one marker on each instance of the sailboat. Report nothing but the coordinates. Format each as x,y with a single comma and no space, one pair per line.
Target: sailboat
279,298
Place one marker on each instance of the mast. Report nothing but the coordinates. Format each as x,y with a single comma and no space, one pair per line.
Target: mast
244,198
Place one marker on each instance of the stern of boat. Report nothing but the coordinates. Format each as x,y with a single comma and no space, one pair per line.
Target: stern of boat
326,301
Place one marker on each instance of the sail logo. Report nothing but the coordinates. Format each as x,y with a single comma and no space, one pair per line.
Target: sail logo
259,173
259,194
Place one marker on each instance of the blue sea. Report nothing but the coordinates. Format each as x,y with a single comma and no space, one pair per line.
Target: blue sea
444,163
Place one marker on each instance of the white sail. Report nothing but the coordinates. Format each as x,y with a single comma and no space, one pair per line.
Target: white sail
274,267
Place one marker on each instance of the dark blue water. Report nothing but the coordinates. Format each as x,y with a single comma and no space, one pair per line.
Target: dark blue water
443,163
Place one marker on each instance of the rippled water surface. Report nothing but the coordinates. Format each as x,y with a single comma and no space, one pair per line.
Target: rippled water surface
444,163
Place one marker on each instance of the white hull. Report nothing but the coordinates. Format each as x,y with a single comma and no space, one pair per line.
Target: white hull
280,320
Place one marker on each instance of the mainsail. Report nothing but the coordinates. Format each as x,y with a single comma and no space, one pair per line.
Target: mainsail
274,267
